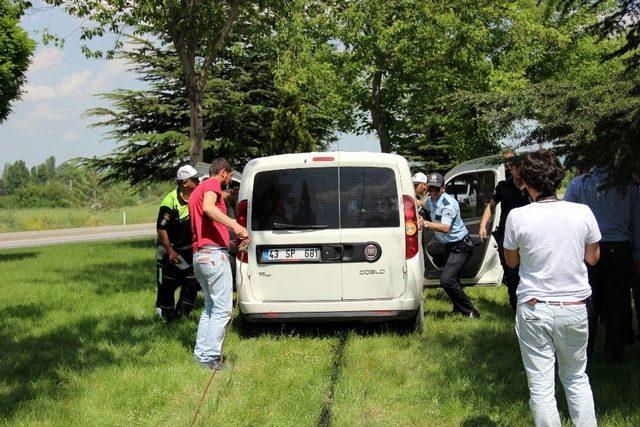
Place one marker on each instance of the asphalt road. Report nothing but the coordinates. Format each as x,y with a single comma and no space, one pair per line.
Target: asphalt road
70,235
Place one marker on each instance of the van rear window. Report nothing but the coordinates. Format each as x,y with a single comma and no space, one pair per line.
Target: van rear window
295,198
368,198
290,199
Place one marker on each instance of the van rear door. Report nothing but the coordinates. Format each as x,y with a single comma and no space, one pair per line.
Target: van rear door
372,236
472,184
294,220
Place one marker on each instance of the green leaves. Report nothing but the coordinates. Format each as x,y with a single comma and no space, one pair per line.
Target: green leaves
16,49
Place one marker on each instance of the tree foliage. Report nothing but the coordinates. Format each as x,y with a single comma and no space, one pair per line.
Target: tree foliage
198,31
248,115
589,109
16,49
419,67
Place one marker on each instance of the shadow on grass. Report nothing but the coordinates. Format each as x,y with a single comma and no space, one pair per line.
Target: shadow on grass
148,243
16,256
116,277
315,329
36,366
486,369
489,363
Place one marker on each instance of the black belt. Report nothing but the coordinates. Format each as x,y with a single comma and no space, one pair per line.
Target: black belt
466,240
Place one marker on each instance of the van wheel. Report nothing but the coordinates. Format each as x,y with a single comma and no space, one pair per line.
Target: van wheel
414,324
242,325
418,321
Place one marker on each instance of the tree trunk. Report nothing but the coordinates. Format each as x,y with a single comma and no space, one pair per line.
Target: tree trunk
377,114
196,131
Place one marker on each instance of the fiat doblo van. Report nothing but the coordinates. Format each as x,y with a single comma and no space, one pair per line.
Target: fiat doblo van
334,236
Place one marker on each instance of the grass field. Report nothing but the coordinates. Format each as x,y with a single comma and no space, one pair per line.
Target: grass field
32,219
80,345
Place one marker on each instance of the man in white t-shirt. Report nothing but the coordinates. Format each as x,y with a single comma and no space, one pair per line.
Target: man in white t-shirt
551,240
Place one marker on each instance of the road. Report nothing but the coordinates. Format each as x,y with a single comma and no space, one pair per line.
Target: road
70,235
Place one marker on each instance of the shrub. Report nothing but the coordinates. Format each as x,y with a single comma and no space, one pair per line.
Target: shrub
52,195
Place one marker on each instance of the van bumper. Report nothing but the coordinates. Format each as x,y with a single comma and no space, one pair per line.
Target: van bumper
362,311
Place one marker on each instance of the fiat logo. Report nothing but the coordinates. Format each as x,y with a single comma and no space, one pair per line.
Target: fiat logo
370,252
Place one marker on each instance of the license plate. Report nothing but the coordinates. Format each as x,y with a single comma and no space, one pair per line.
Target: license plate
291,255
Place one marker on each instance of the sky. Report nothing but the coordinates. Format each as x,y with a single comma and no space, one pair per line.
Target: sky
62,84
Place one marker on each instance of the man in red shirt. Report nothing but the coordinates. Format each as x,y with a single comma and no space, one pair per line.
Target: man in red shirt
210,229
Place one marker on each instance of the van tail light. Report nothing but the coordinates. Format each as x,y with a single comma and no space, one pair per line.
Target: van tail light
241,218
410,227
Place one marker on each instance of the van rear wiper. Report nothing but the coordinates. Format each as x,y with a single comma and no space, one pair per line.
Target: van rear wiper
281,226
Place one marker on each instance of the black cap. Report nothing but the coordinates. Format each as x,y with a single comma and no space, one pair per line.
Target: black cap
435,180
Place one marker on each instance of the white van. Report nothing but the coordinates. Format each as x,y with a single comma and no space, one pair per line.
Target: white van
464,192
333,237
478,177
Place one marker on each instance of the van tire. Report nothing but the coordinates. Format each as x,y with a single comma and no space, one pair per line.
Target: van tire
414,324
243,326
418,321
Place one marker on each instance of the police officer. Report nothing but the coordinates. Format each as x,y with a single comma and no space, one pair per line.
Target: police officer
175,254
510,194
617,211
451,231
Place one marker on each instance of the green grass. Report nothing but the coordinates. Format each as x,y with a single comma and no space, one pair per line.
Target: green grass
80,345
32,219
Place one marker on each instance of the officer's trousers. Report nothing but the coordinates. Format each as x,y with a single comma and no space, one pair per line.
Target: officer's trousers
170,277
458,255
610,299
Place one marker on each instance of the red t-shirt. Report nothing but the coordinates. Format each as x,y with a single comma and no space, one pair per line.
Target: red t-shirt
204,230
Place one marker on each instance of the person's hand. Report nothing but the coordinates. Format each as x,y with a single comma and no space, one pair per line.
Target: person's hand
420,222
244,244
240,231
482,233
173,256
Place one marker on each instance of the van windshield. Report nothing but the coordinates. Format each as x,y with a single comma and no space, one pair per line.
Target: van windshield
308,199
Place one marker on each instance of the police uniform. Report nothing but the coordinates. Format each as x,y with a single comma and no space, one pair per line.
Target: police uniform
458,247
173,217
510,197
617,212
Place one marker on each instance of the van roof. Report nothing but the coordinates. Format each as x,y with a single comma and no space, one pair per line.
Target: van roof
470,165
297,158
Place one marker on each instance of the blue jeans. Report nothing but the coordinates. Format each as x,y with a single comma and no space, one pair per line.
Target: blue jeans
546,332
212,269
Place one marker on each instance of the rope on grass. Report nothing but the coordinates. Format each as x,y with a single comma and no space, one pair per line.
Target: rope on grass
204,394
213,374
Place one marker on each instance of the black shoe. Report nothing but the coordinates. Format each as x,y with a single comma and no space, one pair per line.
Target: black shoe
475,314
166,315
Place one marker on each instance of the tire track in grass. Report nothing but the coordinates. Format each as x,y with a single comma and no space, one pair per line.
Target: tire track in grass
336,370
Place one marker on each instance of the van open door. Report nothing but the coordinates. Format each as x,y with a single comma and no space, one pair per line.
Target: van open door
472,184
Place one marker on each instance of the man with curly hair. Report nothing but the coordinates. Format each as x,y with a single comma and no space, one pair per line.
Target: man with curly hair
551,240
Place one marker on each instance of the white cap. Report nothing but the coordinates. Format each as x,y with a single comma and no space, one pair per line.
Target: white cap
419,177
186,172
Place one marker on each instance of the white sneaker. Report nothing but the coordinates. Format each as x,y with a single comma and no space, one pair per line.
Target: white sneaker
159,311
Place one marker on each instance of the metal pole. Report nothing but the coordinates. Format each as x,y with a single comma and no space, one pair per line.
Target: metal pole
124,218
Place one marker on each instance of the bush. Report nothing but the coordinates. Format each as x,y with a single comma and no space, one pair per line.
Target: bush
51,195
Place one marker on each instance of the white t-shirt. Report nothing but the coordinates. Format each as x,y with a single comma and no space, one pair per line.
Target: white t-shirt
551,237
